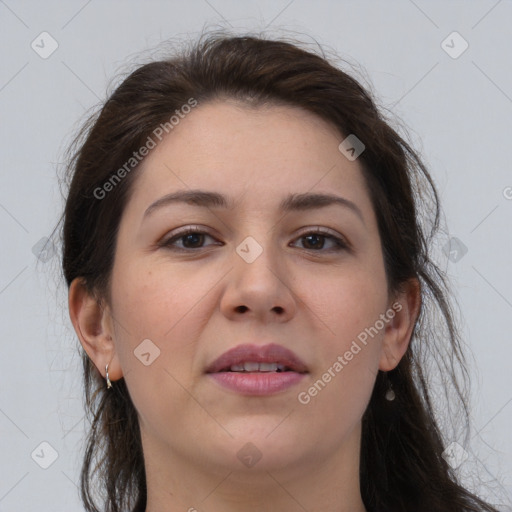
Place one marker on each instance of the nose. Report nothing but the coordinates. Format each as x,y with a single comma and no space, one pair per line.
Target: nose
259,285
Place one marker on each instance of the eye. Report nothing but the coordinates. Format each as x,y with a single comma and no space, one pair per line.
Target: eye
191,238
316,240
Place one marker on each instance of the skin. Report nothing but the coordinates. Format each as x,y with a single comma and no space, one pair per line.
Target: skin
314,301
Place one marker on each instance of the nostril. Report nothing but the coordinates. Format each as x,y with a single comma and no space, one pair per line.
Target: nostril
241,309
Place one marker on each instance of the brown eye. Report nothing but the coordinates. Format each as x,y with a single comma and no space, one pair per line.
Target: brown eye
191,239
315,241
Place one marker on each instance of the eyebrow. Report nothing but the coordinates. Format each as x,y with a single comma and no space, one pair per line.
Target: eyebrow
293,202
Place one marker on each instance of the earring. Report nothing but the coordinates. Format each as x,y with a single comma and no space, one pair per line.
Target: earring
109,384
390,394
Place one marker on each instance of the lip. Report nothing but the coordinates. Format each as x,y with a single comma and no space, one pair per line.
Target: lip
271,353
257,383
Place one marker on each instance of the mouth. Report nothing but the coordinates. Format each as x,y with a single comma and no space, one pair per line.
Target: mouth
257,370
253,367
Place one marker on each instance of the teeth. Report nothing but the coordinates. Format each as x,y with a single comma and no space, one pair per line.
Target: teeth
258,367
268,367
251,367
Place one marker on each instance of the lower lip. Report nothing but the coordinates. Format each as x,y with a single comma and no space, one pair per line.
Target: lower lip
257,383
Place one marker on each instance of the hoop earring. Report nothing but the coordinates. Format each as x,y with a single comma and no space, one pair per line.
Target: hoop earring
109,384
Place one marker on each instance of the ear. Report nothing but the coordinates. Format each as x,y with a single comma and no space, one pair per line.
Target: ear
398,332
93,324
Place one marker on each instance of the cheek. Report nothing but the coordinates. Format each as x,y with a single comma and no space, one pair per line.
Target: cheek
350,349
156,329
337,395
167,305
152,303
350,304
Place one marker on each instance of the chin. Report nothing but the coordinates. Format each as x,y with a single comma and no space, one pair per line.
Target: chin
266,444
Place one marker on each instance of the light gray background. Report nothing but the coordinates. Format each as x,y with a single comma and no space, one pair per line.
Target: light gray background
459,112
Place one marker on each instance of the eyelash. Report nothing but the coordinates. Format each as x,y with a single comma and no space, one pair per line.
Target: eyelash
341,245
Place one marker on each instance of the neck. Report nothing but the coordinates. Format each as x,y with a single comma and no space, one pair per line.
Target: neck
317,483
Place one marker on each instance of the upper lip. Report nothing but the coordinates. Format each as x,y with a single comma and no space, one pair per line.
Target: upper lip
271,353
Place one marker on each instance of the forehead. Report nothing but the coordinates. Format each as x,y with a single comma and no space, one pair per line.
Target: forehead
234,129
254,152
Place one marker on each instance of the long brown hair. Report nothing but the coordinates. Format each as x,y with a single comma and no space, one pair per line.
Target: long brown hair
402,467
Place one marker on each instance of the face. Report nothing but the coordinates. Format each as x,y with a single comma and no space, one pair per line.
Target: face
255,274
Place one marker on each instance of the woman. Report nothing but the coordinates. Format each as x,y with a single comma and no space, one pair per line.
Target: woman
249,277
